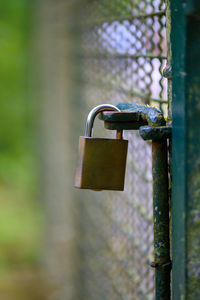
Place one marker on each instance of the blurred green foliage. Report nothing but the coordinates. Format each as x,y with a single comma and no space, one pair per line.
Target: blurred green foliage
20,212
15,107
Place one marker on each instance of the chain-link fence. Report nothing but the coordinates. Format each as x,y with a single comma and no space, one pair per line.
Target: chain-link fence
123,52
94,52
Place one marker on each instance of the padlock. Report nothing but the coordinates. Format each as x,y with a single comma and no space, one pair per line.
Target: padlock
101,161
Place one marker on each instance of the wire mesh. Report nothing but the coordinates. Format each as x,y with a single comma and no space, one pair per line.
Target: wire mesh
123,51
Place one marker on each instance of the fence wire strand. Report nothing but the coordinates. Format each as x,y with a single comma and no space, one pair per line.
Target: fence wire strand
123,51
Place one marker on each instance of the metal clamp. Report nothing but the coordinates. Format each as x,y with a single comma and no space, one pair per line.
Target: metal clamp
132,117
155,133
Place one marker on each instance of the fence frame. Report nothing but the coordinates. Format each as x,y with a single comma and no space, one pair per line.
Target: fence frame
185,43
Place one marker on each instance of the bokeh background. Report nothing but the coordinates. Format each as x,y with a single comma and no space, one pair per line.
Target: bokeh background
58,59
21,212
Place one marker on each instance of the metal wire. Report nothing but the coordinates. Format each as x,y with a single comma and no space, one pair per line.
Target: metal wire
123,51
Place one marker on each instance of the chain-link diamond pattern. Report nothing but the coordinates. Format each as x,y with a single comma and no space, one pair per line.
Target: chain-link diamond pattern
123,51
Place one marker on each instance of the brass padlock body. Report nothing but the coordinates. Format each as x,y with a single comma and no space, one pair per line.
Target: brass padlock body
101,163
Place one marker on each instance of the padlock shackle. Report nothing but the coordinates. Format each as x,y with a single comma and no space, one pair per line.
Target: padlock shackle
93,113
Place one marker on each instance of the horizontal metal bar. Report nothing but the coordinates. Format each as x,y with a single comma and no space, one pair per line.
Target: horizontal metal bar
126,18
146,98
122,56
163,101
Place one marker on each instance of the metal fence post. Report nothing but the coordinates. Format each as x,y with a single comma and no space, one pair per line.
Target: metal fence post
185,41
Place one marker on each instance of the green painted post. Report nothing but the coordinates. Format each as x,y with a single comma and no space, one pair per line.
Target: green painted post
185,39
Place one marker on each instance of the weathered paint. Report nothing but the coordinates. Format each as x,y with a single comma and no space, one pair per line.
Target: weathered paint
185,37
152,115
161,219
193,156
155,133
137,115
162,263
178,150
132,117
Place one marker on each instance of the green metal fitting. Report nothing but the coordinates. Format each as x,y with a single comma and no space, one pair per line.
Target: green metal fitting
132,117
155,133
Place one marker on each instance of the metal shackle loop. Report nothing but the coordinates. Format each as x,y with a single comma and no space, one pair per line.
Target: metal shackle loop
93,113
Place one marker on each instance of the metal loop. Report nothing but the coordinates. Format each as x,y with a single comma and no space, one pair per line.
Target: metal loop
93,113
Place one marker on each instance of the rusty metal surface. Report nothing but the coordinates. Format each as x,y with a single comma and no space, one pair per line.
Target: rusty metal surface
158,134
155,133
161,219
132,116
122,53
